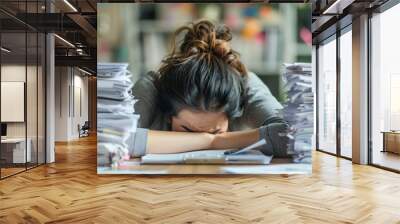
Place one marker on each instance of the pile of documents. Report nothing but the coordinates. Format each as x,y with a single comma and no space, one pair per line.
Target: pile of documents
299,110
115,112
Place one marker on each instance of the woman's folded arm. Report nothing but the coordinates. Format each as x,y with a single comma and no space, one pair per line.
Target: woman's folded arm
159,142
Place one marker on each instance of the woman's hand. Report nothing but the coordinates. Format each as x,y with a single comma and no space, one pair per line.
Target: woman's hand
276,135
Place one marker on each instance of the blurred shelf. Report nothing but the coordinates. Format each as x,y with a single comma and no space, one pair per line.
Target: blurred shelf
150,26
148,38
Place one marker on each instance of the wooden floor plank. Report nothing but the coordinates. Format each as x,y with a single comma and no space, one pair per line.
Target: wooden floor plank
70,191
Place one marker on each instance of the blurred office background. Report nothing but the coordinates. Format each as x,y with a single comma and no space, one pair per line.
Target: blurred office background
266,35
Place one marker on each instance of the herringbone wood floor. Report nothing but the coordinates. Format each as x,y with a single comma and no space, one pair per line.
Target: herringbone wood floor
70,191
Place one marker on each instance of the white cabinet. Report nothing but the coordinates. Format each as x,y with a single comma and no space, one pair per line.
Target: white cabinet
16,146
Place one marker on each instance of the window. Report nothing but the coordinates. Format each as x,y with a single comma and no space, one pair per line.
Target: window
385,87
346,94
327,97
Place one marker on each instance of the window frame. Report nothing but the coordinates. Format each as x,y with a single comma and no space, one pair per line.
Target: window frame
29,29
333,37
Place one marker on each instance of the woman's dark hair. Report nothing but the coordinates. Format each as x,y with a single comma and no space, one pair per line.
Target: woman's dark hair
203,73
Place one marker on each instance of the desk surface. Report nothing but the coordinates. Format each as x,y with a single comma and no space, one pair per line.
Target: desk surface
13,140
277,166
390,132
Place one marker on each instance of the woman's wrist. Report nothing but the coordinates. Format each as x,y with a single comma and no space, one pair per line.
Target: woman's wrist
235,139
217,140
210,139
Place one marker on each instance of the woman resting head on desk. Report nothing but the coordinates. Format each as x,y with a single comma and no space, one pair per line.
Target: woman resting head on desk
202,97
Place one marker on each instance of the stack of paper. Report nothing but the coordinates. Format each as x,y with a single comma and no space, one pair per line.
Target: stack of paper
115,112
299,110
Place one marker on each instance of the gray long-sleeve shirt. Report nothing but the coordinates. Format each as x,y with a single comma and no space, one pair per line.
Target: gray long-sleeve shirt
261,110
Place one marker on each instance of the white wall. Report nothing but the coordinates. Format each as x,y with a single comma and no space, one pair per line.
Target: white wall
12,73
70,83
62,82
80,89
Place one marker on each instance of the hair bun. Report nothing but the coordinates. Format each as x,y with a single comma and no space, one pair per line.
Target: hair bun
223,33
222,48
203,38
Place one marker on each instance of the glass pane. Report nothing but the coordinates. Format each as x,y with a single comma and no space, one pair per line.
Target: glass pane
41,98
327,97
13,87
31,98
31,86
346,94
385,89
